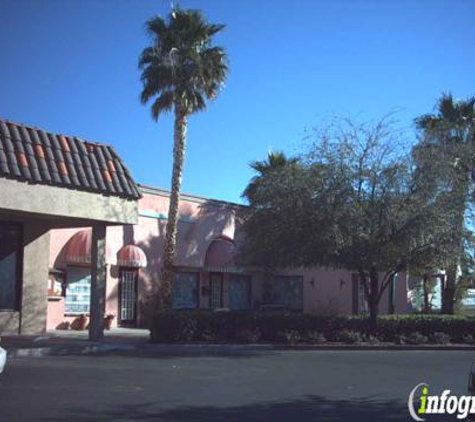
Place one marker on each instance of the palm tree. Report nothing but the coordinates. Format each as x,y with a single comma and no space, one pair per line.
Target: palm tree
449,136
274,162
181,70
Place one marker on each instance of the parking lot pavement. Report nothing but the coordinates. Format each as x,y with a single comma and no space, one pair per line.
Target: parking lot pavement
246,387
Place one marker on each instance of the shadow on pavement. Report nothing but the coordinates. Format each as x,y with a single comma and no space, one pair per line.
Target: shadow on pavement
151,354
311,408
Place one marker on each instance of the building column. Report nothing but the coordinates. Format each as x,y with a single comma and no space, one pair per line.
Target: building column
34,299
98,283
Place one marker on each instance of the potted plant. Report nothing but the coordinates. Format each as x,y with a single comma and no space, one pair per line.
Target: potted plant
108,318
80,323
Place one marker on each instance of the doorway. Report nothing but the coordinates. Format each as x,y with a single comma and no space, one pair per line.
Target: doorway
128,280
216,287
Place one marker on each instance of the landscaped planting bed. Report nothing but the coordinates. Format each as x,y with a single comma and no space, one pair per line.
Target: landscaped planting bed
293,328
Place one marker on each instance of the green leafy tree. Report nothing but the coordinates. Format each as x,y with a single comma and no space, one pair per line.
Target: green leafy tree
354,202
446,155
181,70
423,292
466,279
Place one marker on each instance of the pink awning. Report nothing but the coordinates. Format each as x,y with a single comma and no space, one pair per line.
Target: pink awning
80,246
220,255
131,256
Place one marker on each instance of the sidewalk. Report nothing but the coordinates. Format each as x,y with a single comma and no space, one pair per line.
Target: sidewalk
123,341
62,342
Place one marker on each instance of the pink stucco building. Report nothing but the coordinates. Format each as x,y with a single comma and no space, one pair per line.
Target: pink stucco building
53,181
207,276
78,237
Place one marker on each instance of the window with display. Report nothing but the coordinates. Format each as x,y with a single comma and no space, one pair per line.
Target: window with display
10,265
185,290
287,291
360,301
239,291
78,291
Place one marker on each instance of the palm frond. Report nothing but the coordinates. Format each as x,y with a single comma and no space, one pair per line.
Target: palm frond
181,58
163,103
426,122
275,161
447,109
156,27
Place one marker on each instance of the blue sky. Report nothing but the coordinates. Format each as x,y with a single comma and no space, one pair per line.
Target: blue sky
71,67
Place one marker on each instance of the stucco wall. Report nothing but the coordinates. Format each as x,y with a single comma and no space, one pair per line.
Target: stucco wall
19,197
202,221
35,277
55,313
39,208
9,322
327,291
32,318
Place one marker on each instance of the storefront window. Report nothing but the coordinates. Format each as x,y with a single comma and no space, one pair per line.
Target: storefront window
78,291
185,290
10,253
239,291
360,302
288,292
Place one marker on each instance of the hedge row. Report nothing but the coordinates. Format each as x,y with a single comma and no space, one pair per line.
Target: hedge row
239,326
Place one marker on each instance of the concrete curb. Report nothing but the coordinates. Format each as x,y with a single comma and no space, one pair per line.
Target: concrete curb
145,349
382,347
38,352
208,349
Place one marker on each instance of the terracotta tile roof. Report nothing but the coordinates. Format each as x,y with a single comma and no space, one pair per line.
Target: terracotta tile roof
34,156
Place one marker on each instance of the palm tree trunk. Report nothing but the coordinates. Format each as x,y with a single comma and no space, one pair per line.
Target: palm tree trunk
179,148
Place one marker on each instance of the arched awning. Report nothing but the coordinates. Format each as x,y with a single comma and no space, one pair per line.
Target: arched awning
131,256
220,256
79,249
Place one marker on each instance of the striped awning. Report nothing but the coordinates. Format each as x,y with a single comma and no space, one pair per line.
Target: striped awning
220,256
131,256
79,249
231,270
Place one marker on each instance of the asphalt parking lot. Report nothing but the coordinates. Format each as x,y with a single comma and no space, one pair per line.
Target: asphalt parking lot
244,387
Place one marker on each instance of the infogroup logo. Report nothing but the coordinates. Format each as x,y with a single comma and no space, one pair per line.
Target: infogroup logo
420,403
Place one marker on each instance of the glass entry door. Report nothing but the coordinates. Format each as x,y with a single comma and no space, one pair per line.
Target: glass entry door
216,287
128,296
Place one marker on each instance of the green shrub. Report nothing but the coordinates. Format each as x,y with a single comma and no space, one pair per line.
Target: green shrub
468,339
439,338
371,339
208,336
292,336
350,337
246,335
455,326
416,338
315,337
165,328
243,326
400,339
